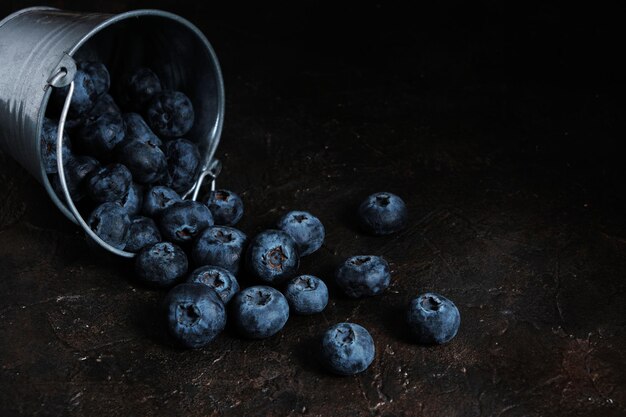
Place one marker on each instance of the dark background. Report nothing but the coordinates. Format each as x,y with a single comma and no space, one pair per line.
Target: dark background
500,125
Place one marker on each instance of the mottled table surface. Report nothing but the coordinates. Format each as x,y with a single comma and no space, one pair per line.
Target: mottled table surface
517,213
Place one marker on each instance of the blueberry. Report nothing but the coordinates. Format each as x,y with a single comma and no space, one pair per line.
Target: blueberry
183,221
105,104
49,131
220,246
133,200
363,276
221,280
160,264
111,223
306,294
140,87
226,207
259,312
109,183
83,99
100,134
306,229
272,256
143,232
144,159
383,214
77,169
170,114
157,199
183,160
432,319
135,128
347,349
195,315
98,74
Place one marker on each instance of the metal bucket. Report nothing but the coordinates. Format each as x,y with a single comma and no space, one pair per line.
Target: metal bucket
37,50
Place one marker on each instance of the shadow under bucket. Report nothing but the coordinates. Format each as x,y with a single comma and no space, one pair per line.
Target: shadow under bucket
38,47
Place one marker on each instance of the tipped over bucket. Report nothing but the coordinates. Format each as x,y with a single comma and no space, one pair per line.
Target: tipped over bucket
38,48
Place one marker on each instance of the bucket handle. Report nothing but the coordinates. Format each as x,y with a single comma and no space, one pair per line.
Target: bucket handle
211,167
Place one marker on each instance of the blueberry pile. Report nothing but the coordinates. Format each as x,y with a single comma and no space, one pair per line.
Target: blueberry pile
127,163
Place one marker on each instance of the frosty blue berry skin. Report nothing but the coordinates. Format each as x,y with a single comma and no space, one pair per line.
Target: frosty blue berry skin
226,207
306,229
84,97
49,132
194,315
183,160
143,232
183,221
170,114
383,214
136,128
220,246
272,257
363,276
100,134
133,200
140,87
77,170
111,223
222,281
98,74
306,294
347,349
109,183
105,104
157,199
259,312
432,319
161,264
145,160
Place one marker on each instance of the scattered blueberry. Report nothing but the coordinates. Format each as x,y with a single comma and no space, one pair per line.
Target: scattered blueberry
347,349
259,312
100,134
111,223
143,232
383,214
77,169
184,220
49,131
157,199
109,183
432,319
306,294
195,315
221,280
363,276
272,256
144,159
226,207
140,87
160,264
183,159
220,246
135,128
133,200
306,229
170,114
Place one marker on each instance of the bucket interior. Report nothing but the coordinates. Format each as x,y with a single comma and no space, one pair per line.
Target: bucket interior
176,51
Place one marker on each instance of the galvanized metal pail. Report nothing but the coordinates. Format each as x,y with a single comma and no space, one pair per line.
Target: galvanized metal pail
37,50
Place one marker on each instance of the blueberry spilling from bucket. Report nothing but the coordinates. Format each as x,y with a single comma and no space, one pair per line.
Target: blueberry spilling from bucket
138,165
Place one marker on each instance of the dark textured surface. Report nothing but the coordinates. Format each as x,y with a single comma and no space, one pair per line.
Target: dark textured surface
515,190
